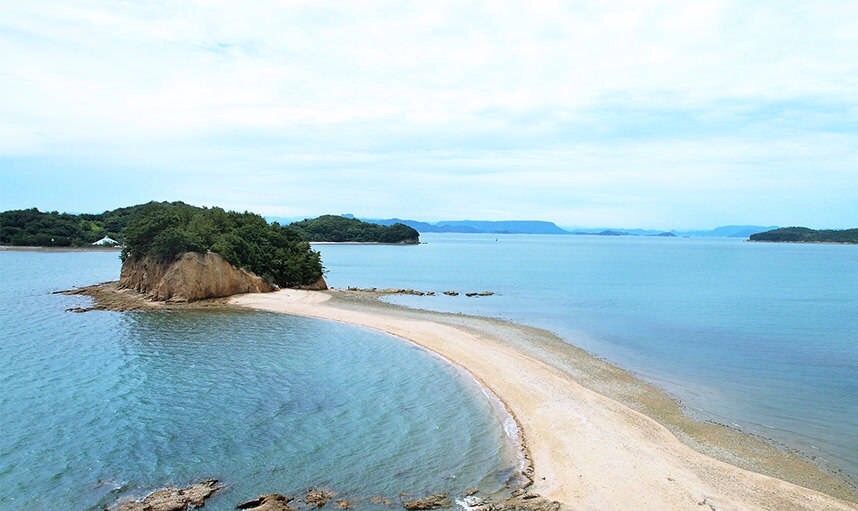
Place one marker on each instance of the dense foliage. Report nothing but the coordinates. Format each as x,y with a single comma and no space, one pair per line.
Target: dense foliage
340,229
805,235
162,231
31,227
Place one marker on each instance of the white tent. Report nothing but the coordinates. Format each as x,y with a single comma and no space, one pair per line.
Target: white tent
106,241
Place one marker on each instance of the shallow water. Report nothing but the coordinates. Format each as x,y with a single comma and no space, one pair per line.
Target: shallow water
759,336
106,404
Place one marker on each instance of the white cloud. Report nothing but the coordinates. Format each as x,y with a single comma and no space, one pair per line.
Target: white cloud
481,105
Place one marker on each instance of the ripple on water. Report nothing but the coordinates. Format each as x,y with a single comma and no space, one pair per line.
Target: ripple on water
102,404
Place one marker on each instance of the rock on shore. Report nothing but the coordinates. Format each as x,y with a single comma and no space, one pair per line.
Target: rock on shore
193,276
172,499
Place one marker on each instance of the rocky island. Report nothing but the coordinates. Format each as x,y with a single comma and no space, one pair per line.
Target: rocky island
174,251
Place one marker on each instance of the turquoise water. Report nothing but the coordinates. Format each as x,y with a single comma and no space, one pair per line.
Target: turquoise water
104,404
763,337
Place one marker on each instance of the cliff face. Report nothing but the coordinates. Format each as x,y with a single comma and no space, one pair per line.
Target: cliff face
193,276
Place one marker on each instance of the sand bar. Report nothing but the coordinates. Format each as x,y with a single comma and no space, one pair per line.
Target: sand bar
589,451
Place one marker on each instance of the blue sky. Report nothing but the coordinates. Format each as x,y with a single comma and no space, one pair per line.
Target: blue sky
630,114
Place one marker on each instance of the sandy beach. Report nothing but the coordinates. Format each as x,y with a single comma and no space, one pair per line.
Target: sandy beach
590,429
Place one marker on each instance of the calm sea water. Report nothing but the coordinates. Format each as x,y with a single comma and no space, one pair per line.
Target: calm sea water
102,404
105,404
760,336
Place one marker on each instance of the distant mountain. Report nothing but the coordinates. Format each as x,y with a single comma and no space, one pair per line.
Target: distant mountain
542,227
479,226
730,231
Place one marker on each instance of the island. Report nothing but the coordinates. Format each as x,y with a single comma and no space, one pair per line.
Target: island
806,235
177,251
341,229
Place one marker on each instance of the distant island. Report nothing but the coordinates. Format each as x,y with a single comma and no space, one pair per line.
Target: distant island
806,235
543,227
338,229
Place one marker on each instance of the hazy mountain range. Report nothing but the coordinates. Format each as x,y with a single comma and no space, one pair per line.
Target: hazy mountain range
543,227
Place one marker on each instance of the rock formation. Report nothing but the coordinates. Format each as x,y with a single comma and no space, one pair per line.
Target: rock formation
172,499
192,276
433,501
270,502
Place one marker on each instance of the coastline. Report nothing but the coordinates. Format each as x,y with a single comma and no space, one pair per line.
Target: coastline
16,248
597,437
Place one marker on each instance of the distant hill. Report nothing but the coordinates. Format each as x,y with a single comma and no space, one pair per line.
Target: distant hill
730,231
805,235
479,226
31,227
543,227
333,228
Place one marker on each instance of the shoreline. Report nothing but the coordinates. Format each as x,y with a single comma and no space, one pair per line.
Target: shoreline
595,436
16,248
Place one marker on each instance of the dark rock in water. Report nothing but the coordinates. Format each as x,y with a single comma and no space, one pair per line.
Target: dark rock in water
429,502
479,293
270,502
318,497
172,499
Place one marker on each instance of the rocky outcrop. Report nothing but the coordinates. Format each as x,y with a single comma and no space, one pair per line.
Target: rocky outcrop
270,502
172,499
319,285
192,276
433,501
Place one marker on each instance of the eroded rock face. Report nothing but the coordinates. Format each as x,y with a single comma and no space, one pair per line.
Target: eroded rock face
191,277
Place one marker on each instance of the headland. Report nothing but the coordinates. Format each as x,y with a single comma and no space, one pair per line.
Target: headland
595,437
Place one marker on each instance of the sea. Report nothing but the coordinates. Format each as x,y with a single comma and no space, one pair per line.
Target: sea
103,405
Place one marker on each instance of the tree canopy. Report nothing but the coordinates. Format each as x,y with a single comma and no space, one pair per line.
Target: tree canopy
31,227
162,231
334,228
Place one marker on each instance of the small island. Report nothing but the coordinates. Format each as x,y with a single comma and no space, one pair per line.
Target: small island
174,250
806,235
340,229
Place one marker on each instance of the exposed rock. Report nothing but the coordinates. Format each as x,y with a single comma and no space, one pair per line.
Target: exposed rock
192,276
109,296
318,497
172,499
319,285
433,501
451,293
343,504
522,502
270,502
378,499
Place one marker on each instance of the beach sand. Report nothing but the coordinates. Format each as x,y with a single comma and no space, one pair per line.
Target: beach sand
597,438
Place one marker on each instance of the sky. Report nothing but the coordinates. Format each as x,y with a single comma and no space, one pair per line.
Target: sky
658,114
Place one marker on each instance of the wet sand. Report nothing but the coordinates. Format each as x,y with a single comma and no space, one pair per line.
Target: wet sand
597,438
